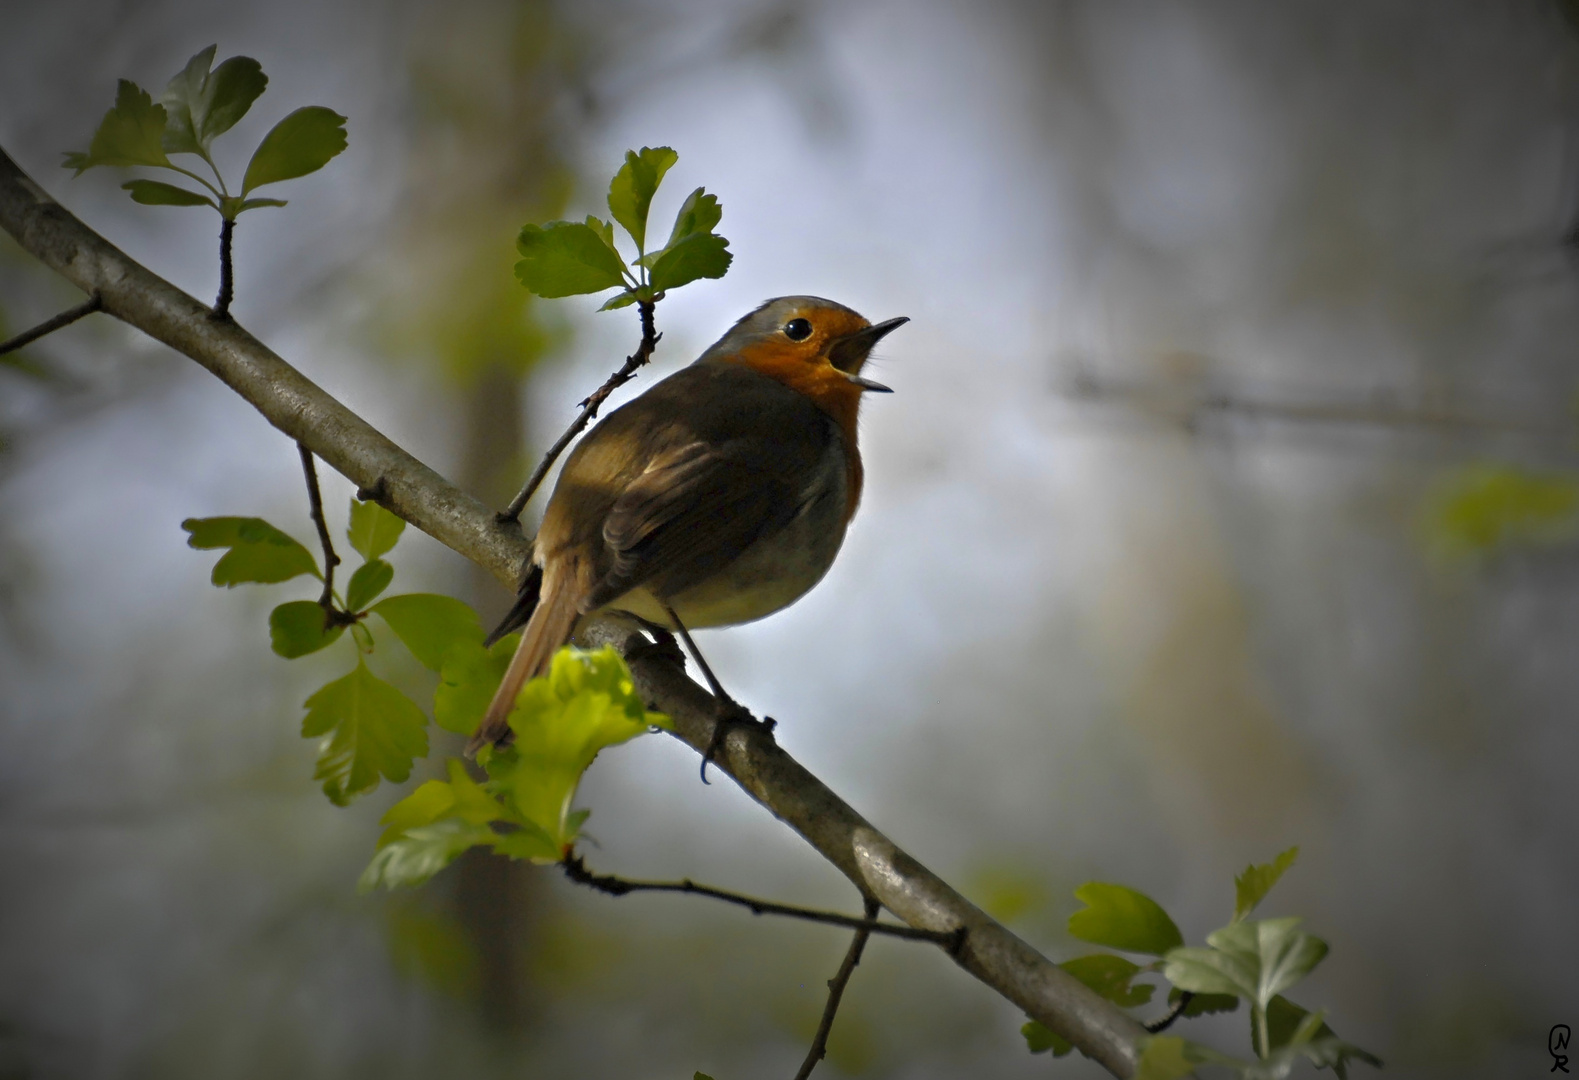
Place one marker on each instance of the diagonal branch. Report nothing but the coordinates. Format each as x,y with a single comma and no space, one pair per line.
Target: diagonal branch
50,325
304,412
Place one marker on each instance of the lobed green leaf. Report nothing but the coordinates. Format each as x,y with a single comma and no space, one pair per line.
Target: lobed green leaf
1255,959
303,142
131,133
369,579
1121,918
1202,1004
566,258
422,852
586,703
373,531
468,676
633,186
301,627
429,625
1251,887
1039,1038
435,800
700,213
202,104
368,730
259,553
701,255
159,193
1110,976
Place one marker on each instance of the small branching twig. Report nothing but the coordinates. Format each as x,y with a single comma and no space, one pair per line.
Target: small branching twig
332,615
589,409
227,231
1163,1024
836,985
576,870
49,326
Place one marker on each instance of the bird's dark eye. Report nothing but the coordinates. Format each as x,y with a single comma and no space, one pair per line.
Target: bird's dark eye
797,329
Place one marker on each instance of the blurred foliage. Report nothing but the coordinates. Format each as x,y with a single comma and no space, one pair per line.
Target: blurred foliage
1484,507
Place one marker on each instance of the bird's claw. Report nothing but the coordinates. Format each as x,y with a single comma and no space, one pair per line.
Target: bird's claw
663,646
732,714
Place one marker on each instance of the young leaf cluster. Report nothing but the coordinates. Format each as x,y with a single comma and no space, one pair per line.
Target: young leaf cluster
369,731
1253,960
586,703
200,103
571,258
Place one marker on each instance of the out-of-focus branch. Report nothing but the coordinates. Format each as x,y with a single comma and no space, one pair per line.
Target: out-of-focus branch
303,411
1191,402
836,985
49,326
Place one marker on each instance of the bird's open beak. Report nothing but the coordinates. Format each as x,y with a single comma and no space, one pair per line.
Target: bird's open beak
849,353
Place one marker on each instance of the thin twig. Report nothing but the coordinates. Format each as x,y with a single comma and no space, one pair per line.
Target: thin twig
49,326
330,559
577,871
836,985
1185,997
226,278
589,409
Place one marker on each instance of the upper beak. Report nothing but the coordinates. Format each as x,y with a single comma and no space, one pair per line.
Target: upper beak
850,352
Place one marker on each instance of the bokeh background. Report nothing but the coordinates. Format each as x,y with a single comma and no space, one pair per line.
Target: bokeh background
1224,505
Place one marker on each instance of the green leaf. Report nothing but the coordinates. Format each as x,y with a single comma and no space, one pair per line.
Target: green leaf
363,637
299,628
566,258
1488,505
258,551
1121,918
302,143
131,133
632,189
1251,887
368,730
202,104
1040,1038
421,853
429,624
1296,1033
253,204
435,800
619,300
1202,1004
1110,976
468,676
702,255
159,193
370,579
585,703
1164,1059
700,213
373,531
1255,959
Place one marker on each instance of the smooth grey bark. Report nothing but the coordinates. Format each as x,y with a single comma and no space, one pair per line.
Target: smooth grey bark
304,412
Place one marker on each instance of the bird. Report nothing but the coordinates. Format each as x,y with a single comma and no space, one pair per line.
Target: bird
719,496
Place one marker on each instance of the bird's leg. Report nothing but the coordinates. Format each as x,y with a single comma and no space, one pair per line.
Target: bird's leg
730,712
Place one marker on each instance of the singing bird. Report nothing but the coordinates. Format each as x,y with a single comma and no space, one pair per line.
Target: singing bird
717,497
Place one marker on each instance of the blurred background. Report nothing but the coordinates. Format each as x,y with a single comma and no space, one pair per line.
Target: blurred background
1226,503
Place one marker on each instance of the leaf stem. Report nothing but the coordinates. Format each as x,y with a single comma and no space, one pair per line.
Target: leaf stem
576,870
227,229
589,409
331,614
218,192
836,985
49,326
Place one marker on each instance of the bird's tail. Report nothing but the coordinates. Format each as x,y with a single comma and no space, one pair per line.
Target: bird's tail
550,626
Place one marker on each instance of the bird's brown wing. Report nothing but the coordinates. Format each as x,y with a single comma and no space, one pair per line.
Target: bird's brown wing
692,512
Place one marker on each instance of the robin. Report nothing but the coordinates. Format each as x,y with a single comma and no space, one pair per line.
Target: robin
717,497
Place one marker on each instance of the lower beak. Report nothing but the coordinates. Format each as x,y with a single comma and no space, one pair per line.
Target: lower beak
849,353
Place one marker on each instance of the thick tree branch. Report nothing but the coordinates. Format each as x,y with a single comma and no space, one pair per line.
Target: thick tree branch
300,409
